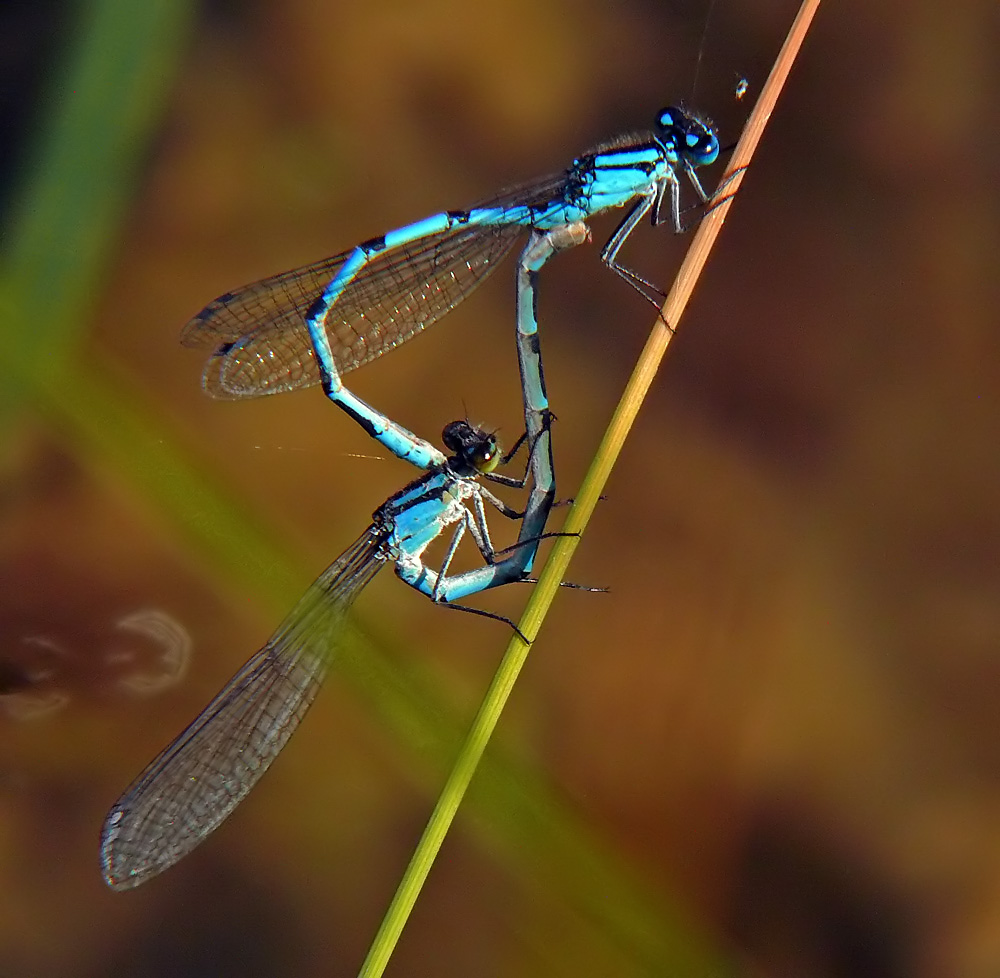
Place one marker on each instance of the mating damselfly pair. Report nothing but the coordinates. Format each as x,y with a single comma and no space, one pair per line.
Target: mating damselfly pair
310,326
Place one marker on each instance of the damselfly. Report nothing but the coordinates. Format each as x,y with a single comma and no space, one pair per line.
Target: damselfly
199,779
196,782
314,323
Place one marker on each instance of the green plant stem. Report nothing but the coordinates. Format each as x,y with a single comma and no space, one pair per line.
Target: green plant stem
586,500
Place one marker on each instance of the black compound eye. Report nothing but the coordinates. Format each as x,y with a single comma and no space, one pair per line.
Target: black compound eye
457,436
702,146
688,136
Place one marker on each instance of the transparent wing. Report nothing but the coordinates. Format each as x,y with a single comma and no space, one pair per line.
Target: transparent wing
259,334
186,792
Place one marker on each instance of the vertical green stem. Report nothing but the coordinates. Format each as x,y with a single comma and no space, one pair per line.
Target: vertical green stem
500,688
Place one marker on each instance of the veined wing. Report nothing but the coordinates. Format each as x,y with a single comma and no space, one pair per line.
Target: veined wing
194,784
261,344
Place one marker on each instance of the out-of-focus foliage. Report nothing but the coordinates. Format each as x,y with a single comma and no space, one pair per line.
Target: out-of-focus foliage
778,727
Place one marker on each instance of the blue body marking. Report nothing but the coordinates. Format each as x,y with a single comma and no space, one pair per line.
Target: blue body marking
313,324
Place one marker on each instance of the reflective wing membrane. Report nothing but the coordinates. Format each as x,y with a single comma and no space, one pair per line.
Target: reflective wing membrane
194,784
259,334
262,343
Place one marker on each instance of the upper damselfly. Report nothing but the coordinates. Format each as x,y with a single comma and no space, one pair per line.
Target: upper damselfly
314,323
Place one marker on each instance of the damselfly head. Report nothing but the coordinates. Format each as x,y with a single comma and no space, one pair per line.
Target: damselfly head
473,447
691,138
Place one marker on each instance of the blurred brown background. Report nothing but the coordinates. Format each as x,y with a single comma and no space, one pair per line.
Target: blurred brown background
780,725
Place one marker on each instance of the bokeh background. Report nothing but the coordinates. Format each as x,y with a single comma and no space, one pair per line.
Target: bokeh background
771,749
